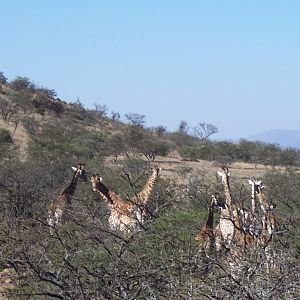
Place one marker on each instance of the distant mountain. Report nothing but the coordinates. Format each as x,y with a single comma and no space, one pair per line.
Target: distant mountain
285,138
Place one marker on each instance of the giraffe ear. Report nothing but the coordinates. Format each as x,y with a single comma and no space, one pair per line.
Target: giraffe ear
74,169
220,173
251,182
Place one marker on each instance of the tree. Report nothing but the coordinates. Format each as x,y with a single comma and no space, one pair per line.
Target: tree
5,136
203,131
3,79
288,157
22,83
115,116
49,93
23,100
56,106
136,119
160,130
101,110
183,127
6,109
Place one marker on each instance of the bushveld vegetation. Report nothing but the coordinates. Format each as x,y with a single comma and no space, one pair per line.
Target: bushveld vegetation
84,258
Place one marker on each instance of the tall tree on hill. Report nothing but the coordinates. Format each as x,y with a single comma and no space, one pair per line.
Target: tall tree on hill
22,83
183,127
135,119
204,130
3,79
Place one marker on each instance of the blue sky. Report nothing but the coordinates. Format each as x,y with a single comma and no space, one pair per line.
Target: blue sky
234,64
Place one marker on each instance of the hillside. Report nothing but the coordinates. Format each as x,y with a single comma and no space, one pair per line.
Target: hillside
30,113
116,226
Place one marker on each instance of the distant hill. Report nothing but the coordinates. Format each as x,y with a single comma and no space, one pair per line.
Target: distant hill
285,138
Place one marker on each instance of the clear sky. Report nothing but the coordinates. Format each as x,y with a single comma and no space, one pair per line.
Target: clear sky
234,64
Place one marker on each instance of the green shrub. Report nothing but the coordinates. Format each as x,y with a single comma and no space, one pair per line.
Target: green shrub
5,137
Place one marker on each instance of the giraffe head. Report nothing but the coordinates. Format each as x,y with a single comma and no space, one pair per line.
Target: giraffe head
80,171
95,179
256,185
224,174
217,201
156,169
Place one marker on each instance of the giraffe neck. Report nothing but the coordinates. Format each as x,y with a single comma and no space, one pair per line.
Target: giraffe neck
253,198
104,193
227,192
144,195
70,189
268,222
210,218
113,201
263,200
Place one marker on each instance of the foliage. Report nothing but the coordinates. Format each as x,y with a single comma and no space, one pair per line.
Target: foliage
30,124
5,136
3,79
135,119
23,99
183,127
115,116
22,84
45,92
160,130
101,110
203,131
7,109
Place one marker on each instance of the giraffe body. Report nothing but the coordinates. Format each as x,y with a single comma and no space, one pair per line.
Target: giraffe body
57,208
206,236
227,226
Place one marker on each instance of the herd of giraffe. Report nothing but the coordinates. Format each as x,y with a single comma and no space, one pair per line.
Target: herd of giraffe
125,216
238,229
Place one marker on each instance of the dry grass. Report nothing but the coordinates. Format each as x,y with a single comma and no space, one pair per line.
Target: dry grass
240,170
173,165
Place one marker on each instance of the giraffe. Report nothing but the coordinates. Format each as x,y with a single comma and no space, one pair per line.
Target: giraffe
268,221
268,224
125,216
230,225
121,212
206,235
227,224
254,226
57,208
